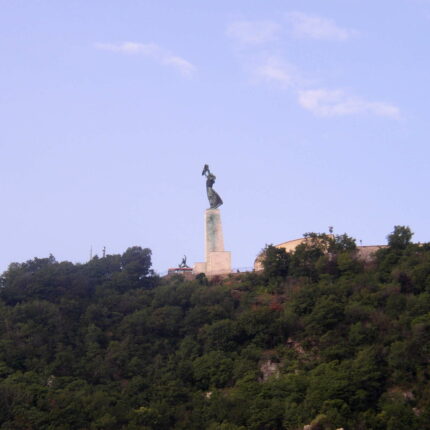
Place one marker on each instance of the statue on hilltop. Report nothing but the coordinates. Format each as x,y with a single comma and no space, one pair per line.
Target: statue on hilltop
184,264
215,200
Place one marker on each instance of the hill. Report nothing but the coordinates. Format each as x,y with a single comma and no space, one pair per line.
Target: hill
319,339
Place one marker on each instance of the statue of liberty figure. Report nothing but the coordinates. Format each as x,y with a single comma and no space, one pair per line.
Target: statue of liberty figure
215,200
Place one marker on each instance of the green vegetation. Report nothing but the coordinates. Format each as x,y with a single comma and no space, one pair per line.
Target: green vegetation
319,337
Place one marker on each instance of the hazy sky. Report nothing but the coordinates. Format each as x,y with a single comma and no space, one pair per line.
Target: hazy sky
310,113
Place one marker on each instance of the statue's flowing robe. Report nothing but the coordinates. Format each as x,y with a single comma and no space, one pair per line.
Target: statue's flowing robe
215,200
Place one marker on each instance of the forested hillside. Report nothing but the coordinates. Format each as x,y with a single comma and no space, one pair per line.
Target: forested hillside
319,338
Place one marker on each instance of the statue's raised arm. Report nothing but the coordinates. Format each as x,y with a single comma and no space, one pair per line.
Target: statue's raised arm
215,200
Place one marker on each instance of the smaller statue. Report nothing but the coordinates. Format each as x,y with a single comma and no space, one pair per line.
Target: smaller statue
184,264
215,200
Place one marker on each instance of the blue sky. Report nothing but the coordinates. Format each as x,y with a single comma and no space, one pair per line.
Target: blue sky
310,114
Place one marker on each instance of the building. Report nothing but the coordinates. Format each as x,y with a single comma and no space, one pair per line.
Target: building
365,253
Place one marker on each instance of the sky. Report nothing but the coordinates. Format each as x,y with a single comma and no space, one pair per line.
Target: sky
310,113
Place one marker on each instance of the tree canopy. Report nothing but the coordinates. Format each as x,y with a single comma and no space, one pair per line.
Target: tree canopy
318,338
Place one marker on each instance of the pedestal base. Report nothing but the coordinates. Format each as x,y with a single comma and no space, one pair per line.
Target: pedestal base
219,263
199,268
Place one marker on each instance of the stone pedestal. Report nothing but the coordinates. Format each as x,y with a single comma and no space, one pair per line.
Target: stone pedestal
214,239
199,268
218,261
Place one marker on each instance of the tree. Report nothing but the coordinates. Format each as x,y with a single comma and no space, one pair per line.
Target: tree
213,369
327,313
276,262
306,255
136,262
400,238
342,243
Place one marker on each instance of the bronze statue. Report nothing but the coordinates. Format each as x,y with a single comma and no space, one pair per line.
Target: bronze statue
184,264
215,200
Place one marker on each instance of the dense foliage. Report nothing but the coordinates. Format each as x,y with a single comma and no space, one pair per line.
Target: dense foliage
320,337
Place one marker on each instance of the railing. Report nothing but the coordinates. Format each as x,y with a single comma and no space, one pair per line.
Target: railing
242,269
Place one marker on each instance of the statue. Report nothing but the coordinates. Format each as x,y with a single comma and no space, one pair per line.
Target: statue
215,200
184,264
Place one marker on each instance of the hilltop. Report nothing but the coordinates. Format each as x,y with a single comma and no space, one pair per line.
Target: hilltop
319,338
